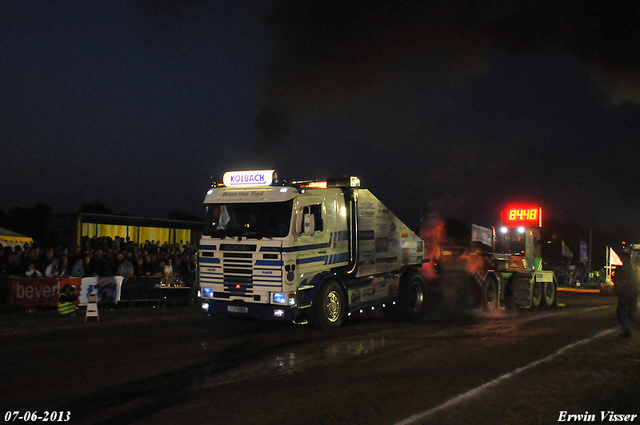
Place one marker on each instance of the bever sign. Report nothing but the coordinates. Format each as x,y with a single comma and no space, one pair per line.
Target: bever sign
38,292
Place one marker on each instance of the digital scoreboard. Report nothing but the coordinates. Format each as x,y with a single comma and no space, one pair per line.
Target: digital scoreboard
521,216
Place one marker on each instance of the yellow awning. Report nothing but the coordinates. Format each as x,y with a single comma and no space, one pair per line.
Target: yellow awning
16,239
12,241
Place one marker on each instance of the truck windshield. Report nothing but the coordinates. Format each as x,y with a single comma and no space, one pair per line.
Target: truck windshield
250,220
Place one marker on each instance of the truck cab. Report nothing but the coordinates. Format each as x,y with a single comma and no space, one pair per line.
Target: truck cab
300,250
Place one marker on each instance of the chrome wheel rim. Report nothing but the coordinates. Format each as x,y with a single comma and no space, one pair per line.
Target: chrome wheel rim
417,297
333,306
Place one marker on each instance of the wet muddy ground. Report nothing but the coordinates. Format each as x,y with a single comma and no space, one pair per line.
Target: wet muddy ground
145,365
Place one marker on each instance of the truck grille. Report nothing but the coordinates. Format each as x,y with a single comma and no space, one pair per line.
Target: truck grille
240,271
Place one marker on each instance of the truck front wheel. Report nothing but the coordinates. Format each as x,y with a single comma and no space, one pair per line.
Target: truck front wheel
413,297
331,307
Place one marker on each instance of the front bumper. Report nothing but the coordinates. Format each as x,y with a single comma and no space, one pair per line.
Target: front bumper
242,309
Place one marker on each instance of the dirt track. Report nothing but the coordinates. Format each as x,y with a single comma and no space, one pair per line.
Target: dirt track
171,366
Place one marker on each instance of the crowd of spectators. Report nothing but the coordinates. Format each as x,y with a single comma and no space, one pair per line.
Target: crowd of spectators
101,256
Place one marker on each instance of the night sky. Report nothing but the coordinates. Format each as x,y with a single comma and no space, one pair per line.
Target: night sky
445,107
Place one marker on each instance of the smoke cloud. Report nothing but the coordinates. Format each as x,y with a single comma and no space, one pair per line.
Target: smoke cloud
332,52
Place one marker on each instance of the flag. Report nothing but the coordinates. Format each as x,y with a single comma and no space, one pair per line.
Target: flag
566,252
614,260
584,256
482,235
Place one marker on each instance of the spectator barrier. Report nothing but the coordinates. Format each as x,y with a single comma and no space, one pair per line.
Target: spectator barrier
43,292
141,289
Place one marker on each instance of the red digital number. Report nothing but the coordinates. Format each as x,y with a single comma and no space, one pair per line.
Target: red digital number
520,215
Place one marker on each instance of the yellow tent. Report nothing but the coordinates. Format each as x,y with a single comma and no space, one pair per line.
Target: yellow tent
9,238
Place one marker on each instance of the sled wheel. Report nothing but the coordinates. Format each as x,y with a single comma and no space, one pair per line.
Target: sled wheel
536,294
549,293
490,295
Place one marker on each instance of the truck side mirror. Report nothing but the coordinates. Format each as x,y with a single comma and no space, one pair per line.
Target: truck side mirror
309,224
299,222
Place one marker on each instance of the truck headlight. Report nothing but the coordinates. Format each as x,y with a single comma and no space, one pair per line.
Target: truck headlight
208,292
279,298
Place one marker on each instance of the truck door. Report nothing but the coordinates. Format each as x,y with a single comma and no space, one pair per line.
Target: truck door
313,240
323,240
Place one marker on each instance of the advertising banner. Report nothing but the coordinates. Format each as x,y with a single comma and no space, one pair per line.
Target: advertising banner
108,289
37,292
584,258
386,244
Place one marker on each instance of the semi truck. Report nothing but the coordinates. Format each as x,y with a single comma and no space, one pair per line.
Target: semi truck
305,251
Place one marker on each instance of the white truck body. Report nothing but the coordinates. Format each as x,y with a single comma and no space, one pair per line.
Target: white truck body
267,249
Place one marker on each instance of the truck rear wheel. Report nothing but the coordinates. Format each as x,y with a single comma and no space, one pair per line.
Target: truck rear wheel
536,294
549,293
331,307
489,295
413,297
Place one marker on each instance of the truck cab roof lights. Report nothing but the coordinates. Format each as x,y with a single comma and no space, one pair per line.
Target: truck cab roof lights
316,185
352,181
300,183
261,178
